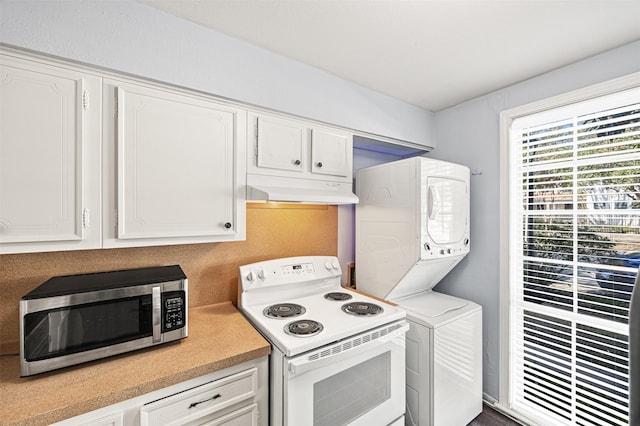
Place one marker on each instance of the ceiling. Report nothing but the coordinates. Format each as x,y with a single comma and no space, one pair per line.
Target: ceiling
429,53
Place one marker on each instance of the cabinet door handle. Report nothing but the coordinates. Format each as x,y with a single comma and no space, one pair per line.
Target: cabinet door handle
227,225
214,397
319,165
297,162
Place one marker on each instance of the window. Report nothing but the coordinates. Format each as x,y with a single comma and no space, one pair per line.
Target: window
574,251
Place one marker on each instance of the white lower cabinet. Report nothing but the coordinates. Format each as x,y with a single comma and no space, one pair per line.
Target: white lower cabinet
109,416
236,396
111,419
247,416
202,402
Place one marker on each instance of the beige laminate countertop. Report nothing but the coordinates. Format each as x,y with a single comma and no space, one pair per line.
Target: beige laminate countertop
219,337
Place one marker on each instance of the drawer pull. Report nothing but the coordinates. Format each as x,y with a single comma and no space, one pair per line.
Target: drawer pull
216,396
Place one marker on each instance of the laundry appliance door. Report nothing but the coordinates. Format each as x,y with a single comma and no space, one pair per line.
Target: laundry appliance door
447,210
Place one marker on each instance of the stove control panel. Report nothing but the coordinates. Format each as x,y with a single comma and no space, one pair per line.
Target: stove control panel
297,269
289,270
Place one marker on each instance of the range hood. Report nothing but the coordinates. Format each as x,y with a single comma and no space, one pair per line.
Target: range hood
291,190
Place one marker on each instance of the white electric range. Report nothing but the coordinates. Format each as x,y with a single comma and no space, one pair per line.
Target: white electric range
338,356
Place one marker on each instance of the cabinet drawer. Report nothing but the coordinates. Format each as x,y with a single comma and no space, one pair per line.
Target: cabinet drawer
199,402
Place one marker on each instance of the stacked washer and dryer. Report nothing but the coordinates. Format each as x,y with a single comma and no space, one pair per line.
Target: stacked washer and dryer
412,228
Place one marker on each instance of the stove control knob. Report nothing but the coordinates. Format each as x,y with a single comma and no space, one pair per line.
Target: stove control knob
251,276
262,274
327,265
335,265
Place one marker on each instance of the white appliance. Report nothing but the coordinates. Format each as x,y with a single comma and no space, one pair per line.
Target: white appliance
337,357
412,228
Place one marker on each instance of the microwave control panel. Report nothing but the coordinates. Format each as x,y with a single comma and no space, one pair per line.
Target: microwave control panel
173,310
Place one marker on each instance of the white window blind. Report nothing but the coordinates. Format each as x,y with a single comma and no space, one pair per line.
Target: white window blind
575,248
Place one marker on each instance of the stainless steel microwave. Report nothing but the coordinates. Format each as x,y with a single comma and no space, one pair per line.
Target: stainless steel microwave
73,319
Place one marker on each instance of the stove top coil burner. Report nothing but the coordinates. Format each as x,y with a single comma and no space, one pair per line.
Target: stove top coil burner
362,308
284,310
338,295
303,328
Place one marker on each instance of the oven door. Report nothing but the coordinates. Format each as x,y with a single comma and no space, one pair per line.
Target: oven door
357,381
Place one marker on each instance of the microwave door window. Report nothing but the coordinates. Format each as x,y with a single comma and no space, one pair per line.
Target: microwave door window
85,327
111,323
54,333
36,340
58,324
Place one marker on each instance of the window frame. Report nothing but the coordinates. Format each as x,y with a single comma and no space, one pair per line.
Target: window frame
506,118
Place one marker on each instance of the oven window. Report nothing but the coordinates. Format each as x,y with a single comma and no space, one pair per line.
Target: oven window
343,397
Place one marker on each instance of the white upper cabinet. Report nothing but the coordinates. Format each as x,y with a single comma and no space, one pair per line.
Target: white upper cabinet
281,144
289,147
331,152
95,159
49,157
173,172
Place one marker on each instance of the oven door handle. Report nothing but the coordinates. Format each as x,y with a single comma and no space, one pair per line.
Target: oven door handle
342,350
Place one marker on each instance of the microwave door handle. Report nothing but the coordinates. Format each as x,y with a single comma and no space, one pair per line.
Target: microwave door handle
156,313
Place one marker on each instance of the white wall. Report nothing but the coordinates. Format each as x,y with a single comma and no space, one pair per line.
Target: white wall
469,134
135,38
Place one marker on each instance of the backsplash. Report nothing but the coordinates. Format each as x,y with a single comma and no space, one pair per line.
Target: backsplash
212,269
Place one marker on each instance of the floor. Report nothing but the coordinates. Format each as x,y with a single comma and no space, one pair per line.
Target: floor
491,417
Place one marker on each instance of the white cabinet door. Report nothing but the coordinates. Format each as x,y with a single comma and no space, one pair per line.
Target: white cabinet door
178,176
290,148
331,152
49,157
246,416
97,418
281,144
